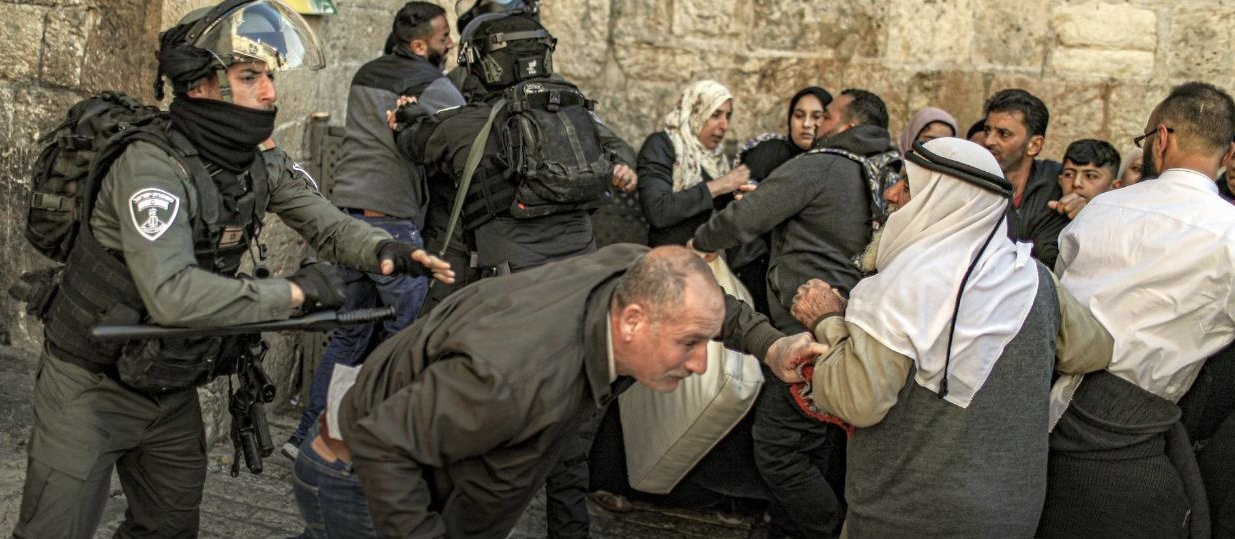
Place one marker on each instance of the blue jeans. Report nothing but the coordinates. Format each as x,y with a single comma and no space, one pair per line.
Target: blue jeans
350,344
329,497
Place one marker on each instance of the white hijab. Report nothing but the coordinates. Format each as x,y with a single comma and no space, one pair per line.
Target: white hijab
683,125
926,247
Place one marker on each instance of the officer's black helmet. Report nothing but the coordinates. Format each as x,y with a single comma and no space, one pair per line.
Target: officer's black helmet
501,49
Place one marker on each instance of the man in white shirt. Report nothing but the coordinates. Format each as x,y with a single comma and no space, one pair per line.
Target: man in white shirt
1155,262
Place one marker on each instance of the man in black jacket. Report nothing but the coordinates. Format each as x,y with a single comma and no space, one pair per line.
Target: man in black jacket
1015,133
376,184
818,208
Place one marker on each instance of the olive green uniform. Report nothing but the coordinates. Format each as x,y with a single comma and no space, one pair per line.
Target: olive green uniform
87,422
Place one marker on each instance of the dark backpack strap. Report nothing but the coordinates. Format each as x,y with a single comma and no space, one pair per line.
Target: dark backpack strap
207,220
474,154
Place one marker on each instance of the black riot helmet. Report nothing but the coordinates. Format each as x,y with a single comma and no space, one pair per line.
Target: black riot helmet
501,49
466,10
235,31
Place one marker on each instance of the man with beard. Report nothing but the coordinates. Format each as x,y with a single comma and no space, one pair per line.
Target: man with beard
1015,133
1155,263
376,184
162,241
950,404
820,209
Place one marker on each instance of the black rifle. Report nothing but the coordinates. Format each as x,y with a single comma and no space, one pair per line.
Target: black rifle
247,403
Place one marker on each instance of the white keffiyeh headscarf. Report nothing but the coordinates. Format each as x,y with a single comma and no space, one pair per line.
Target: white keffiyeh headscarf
926,247
683,125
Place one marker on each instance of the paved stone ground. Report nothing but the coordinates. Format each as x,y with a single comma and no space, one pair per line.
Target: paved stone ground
263,506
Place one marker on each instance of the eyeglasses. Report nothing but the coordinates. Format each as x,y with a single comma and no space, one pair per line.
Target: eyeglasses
1138,140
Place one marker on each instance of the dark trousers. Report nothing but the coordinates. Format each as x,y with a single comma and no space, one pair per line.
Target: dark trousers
88,424
329,497
350,344
803,462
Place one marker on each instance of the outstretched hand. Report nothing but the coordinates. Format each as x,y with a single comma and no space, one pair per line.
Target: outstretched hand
783,353
396,256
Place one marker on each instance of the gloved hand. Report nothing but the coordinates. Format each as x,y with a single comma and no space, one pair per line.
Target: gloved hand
322,284
400,254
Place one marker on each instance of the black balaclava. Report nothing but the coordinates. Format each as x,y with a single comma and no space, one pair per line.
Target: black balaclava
225,133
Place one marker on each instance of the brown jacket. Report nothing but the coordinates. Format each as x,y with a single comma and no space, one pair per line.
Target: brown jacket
455,422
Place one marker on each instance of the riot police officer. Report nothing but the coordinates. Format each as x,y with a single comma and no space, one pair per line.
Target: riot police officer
163,244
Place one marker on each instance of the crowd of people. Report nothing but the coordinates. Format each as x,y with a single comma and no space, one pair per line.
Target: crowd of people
960,337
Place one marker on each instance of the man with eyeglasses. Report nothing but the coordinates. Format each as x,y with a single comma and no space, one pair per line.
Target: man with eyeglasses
1155,263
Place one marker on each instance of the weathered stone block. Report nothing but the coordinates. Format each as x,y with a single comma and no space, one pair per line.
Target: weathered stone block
704,17
935,32
22,35
68,31
1108,26
1077,109
1121,64
961,93
892,85
582,30
846,28
646,21
359,36
1201,43
644,62
120,48
38,109
1127,111
635,110
1012,34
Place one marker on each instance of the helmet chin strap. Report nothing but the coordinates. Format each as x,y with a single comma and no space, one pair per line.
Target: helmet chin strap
225,85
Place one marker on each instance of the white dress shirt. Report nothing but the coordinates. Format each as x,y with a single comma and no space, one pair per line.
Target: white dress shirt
1155,263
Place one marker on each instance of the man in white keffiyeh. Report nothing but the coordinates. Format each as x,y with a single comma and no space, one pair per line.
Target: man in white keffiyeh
949,393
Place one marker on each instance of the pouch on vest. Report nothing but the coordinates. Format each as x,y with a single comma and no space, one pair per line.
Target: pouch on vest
553,146
156,366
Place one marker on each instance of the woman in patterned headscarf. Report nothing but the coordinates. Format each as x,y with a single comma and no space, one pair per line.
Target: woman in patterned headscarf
683,173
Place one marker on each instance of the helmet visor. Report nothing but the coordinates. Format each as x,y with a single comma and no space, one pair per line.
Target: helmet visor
264,31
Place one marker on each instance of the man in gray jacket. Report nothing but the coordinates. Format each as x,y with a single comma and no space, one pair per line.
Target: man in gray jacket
376,184
818,208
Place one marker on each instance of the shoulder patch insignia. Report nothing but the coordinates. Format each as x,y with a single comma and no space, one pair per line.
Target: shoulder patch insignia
153,211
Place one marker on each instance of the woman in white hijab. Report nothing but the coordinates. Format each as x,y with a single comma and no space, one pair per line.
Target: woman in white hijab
683,173
949,394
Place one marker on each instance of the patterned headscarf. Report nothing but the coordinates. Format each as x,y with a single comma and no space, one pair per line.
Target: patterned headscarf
683,125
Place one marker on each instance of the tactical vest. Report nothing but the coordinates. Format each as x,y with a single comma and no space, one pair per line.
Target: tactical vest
97,287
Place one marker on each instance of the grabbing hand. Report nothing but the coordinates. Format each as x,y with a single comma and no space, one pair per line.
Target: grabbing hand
1070,205
783,356
708,257
624,179
321,284
406,258
730,182
402,116
815,299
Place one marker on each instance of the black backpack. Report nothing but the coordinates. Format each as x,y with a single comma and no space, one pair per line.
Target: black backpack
69,162
880,171
554,148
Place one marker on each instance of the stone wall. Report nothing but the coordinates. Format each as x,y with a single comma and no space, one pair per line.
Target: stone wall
1099,66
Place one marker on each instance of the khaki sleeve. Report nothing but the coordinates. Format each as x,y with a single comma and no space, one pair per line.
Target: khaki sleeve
150,193
1082,345
294,196
860,379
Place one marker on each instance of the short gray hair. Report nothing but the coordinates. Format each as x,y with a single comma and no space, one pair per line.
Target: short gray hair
657,280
